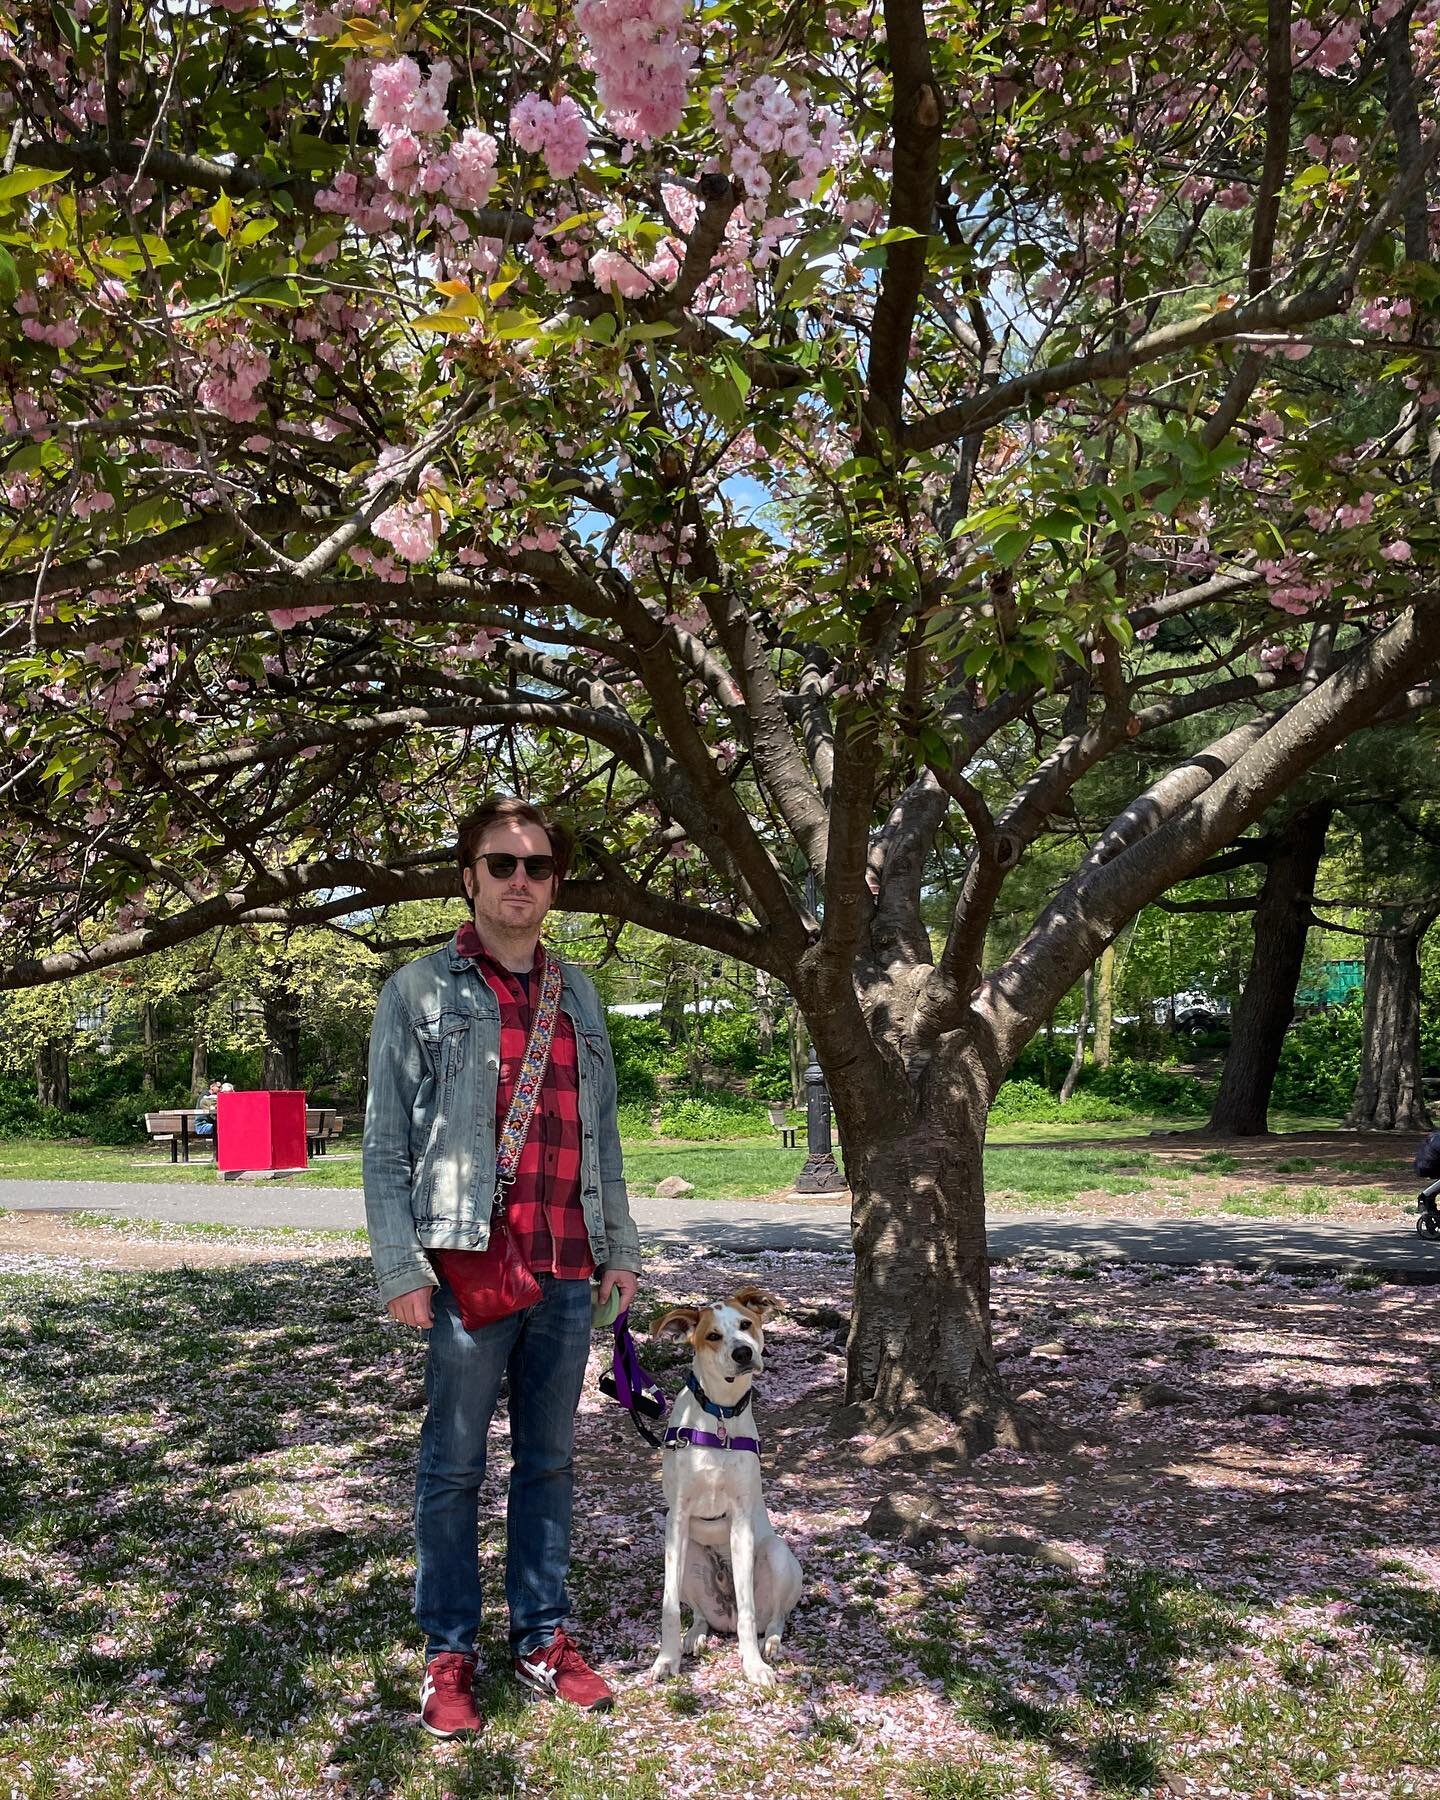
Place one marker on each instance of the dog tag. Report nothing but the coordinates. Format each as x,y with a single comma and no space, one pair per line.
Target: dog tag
721,1432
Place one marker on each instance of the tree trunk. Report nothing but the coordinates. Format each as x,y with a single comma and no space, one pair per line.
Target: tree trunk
1389,1095
282,1042
147,1061
920,1366
1104,1006
199,1065
1267,1000
1082,1026
52,1076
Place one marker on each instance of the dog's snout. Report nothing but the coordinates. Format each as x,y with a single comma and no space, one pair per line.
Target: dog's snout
744,1355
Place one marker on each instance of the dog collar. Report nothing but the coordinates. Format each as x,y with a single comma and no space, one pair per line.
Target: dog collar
685,1437
715,1409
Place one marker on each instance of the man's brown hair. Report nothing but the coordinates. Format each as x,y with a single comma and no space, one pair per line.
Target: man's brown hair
470,833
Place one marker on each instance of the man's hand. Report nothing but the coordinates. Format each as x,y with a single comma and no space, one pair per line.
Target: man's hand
624,1279
416,1308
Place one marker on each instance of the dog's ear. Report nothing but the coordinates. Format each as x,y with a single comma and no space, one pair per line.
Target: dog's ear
680,1321
755,1300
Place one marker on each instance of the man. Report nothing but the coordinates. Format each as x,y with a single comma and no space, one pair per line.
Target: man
449,1036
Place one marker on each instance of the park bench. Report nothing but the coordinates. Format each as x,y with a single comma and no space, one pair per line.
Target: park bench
778,1118
322,1125
173,1128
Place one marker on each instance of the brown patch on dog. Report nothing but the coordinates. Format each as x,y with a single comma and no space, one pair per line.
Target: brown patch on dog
755,1301
680,1321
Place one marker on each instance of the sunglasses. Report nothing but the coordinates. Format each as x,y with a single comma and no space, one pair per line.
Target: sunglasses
501,865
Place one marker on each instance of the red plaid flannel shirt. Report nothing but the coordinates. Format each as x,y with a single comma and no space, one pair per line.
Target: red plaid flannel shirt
543,1207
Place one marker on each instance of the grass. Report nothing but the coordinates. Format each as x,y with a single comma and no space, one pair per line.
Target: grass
205,1569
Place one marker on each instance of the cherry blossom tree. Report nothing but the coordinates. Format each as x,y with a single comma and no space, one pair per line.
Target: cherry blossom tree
799,438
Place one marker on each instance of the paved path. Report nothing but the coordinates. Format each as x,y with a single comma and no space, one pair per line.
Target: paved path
1388,1244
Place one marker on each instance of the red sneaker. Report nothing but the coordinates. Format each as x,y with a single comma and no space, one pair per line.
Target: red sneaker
557,1671
447,1695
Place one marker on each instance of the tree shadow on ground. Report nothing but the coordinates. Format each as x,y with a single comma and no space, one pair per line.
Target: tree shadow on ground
207,1486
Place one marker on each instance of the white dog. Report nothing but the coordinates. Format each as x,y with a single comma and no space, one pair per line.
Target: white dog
722,1557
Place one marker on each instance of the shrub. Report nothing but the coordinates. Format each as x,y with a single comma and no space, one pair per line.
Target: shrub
1320,1060
716,1116
1147,1087
640,1048
1029,1103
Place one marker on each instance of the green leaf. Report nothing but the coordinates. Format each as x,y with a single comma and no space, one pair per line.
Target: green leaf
9,278
1314,176
25,181
222,215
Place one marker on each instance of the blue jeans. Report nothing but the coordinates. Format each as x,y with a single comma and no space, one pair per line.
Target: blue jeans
544,1351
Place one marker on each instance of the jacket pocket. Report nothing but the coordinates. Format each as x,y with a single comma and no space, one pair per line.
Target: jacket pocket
445,1040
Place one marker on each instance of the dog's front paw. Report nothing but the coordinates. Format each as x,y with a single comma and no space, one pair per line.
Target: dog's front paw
663,1667
770,1649
760,1674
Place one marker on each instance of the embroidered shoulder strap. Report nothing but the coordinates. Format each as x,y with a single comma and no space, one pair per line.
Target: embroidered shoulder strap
528,1083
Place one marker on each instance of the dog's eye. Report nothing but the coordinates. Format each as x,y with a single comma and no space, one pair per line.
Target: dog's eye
713,1338
745,1325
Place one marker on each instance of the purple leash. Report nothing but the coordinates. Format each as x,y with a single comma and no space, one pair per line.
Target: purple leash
629,1384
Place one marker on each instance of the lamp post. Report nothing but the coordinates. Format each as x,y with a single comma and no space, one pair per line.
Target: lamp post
820,1174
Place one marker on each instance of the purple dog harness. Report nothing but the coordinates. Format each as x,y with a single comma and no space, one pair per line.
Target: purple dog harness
686,1437
626,1382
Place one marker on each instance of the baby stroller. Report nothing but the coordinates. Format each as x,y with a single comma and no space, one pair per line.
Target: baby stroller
1427,1204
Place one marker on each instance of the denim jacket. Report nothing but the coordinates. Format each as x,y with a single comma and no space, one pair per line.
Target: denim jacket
430,1121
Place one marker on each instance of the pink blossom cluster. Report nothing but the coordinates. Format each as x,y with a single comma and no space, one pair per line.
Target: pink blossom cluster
559,264
641,63
1281,656
1380,315
283,618
1326,50
1340,150
412,526
329,21
25,415
1288,590
555,129
236,367
413,163
381,567
1322,518
1398,551
770,129
40,323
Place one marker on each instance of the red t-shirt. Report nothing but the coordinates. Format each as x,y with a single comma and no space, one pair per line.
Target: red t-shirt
543,1207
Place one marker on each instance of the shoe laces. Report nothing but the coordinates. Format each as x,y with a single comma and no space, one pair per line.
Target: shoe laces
453,1672
562,1656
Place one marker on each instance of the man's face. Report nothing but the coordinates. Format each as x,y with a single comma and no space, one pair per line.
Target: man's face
517,903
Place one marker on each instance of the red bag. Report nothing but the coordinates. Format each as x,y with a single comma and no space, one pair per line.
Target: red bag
488,1284
492,1283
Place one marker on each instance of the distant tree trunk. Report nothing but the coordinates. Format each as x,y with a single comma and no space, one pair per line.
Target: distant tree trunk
1077,1061
282,1041
1267,1001
199,1064
764,1012
147,1061
797,1058
1104,1007
52,1076
1389,1095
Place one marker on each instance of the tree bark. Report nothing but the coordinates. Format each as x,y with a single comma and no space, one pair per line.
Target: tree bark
199,1064
282,1042
1104,1006
1389,1095
1267,1000
147,1061
52,1076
